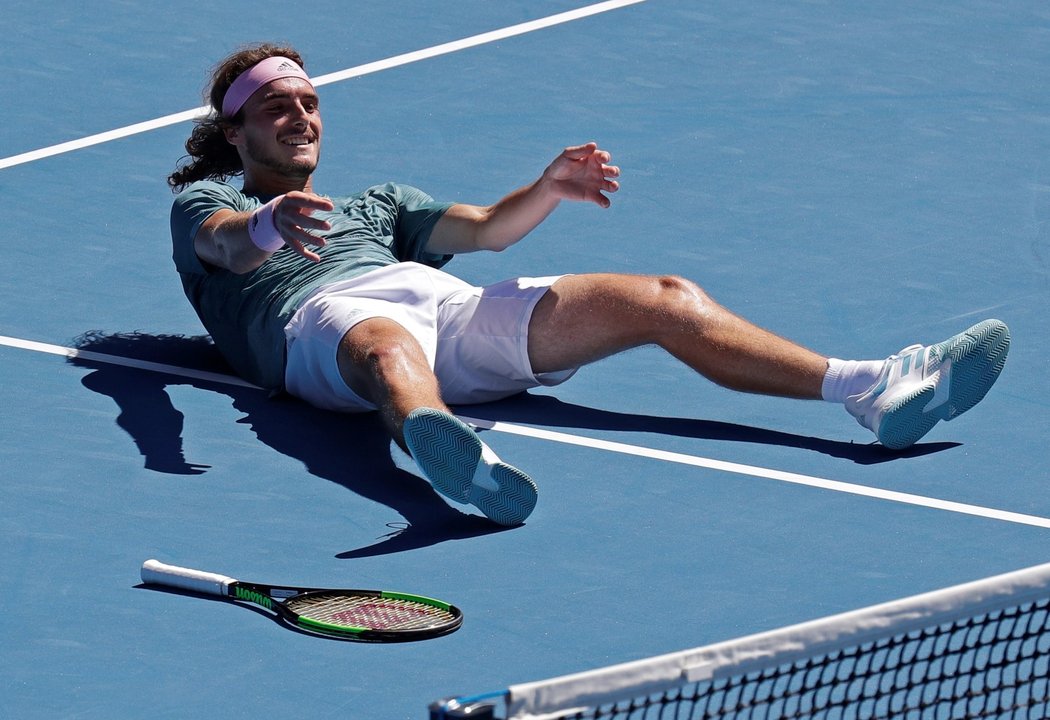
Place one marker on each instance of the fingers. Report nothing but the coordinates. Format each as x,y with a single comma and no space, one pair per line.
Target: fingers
579,152
587,151
583,172
300,248
608,183
301,206
601,201
294,219
598,195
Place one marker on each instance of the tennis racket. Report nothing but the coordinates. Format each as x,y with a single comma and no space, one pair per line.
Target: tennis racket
367,615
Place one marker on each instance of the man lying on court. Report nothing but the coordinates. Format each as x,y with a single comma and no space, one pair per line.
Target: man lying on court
340,300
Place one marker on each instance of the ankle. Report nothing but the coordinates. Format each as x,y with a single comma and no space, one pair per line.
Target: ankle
845,378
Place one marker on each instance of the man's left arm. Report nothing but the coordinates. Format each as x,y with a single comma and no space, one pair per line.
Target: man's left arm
579,173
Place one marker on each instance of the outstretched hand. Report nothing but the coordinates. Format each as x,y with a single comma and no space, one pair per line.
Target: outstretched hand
582,172
293,218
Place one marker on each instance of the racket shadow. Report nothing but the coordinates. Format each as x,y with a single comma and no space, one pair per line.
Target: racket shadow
365,466
227,601
245,606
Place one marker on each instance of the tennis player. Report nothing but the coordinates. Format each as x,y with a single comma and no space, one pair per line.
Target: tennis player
340,300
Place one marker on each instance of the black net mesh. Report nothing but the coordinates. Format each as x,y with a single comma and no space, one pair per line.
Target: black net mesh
990,666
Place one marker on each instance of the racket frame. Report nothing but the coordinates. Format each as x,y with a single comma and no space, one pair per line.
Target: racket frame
275,598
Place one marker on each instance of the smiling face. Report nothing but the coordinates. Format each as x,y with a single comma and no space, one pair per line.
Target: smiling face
280,140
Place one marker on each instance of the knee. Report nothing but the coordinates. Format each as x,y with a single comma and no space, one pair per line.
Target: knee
385,354
676,292
377,354
375,350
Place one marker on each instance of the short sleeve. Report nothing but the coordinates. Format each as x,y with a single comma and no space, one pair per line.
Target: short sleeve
417,215
192,207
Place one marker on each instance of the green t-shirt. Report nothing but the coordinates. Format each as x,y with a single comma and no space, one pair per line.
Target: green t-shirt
246,314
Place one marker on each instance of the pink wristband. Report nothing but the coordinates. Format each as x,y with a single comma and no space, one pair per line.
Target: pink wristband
262,230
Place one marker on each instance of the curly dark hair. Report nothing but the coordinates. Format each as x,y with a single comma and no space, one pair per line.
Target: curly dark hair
210,155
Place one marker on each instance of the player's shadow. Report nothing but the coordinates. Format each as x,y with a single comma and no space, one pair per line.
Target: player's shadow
549,411
354,450
349,449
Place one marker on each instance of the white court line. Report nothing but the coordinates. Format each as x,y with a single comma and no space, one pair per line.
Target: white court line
366,69
124,361
623,448
761,472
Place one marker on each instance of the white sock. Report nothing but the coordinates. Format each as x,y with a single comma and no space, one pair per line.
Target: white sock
849,377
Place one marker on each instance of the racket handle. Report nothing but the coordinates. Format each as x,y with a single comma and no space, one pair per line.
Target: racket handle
154,571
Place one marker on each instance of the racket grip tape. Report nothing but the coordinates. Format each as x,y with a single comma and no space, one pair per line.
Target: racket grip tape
156,572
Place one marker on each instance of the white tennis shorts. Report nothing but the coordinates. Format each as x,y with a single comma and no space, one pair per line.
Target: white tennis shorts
476,339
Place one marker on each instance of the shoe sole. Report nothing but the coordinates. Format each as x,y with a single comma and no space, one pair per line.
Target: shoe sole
977,357
449,453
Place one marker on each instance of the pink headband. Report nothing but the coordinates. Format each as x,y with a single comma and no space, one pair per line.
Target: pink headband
266,71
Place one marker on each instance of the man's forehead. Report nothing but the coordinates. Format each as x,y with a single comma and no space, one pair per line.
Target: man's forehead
290,87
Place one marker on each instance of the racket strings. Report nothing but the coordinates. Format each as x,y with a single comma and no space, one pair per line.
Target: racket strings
375,613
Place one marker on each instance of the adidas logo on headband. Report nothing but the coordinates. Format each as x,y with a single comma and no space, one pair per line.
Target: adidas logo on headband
268,70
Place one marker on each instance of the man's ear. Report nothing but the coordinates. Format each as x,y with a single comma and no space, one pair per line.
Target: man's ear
233,134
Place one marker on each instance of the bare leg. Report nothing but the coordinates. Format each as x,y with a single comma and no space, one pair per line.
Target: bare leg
381,362
584,318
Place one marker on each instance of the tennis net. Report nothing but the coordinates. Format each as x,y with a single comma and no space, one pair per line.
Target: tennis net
978,650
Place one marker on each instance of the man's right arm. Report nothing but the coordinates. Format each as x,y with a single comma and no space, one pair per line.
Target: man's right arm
223,239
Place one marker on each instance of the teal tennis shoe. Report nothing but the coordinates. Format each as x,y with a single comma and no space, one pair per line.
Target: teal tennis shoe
464,469
922,385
